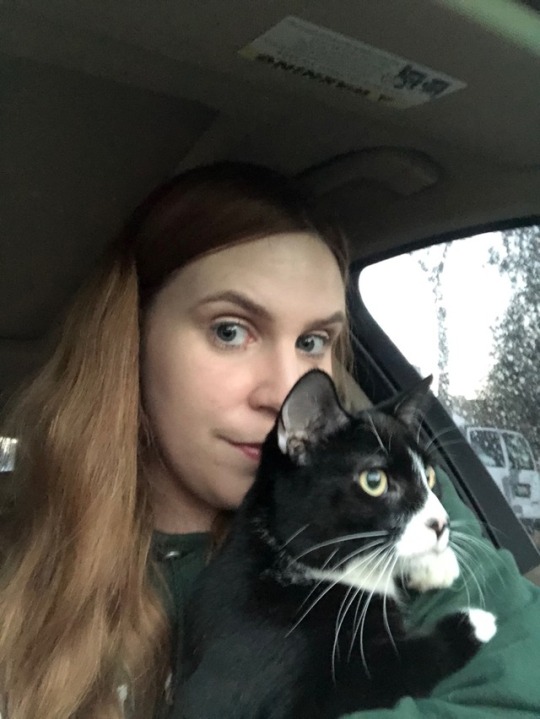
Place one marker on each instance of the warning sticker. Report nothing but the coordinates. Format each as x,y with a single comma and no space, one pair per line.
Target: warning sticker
311,51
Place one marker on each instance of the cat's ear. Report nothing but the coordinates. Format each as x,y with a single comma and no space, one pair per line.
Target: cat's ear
410,406
310,412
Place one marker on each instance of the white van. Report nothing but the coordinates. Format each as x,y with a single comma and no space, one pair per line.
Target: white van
508,457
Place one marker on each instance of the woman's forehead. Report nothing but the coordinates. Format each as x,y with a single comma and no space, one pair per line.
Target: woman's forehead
284,251
294,266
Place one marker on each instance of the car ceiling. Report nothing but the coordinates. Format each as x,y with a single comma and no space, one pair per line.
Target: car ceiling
104,98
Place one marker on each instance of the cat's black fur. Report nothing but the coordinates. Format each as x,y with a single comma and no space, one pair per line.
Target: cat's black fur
253,649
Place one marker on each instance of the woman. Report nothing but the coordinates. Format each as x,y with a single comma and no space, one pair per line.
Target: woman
143,431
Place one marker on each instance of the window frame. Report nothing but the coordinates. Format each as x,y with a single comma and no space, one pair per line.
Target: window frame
381,370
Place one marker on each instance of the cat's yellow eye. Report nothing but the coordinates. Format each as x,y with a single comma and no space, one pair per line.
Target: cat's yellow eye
374,482
431,477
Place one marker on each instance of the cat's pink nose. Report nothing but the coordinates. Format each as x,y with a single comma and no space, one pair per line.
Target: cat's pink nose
438,526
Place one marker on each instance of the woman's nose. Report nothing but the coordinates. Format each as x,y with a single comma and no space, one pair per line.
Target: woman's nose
276,375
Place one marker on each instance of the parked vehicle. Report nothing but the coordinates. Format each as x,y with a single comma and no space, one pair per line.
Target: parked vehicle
508,457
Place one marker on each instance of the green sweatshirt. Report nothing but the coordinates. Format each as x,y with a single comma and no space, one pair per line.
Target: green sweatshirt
503,679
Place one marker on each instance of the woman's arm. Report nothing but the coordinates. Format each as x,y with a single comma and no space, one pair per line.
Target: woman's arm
503,679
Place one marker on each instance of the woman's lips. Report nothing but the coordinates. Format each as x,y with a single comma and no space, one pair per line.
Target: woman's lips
252,451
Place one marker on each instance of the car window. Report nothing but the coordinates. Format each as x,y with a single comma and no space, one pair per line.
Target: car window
467,311
487,445
8,447
519,453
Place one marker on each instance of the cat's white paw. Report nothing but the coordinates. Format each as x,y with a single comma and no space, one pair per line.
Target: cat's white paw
484,623
433,571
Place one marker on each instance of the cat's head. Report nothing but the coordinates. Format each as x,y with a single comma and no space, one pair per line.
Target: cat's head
356,494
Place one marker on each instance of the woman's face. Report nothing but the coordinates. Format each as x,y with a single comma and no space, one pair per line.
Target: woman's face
224,342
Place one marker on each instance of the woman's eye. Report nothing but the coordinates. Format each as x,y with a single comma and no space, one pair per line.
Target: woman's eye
231,334
312,344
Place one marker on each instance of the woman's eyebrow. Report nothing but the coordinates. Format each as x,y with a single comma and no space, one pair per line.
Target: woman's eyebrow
237,298
334,318
257,310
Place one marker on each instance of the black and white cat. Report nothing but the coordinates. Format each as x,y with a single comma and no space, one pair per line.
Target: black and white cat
300,614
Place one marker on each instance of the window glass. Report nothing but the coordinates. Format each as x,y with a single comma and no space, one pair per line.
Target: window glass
468,312
8,447
487,445
519,452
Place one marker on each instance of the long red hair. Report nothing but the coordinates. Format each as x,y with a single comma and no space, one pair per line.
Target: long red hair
80,610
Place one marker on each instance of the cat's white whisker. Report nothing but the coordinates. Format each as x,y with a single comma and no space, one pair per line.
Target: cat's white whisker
317,600
294,535
463,553
310,608
478,545
388,548
355,620
393,559
346,538
339,623
350,556
362,623
463,568
330,557
330,586
318,584
357,552
438,436
403,580
359,594
341,617
473,524
377,435
361,635
362,591
363,564
340,611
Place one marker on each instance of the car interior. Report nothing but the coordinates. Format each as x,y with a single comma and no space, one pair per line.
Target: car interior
409,121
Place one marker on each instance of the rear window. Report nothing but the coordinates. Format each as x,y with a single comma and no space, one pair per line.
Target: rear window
487,446
519,454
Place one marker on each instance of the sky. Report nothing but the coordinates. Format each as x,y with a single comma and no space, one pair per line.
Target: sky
398,294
